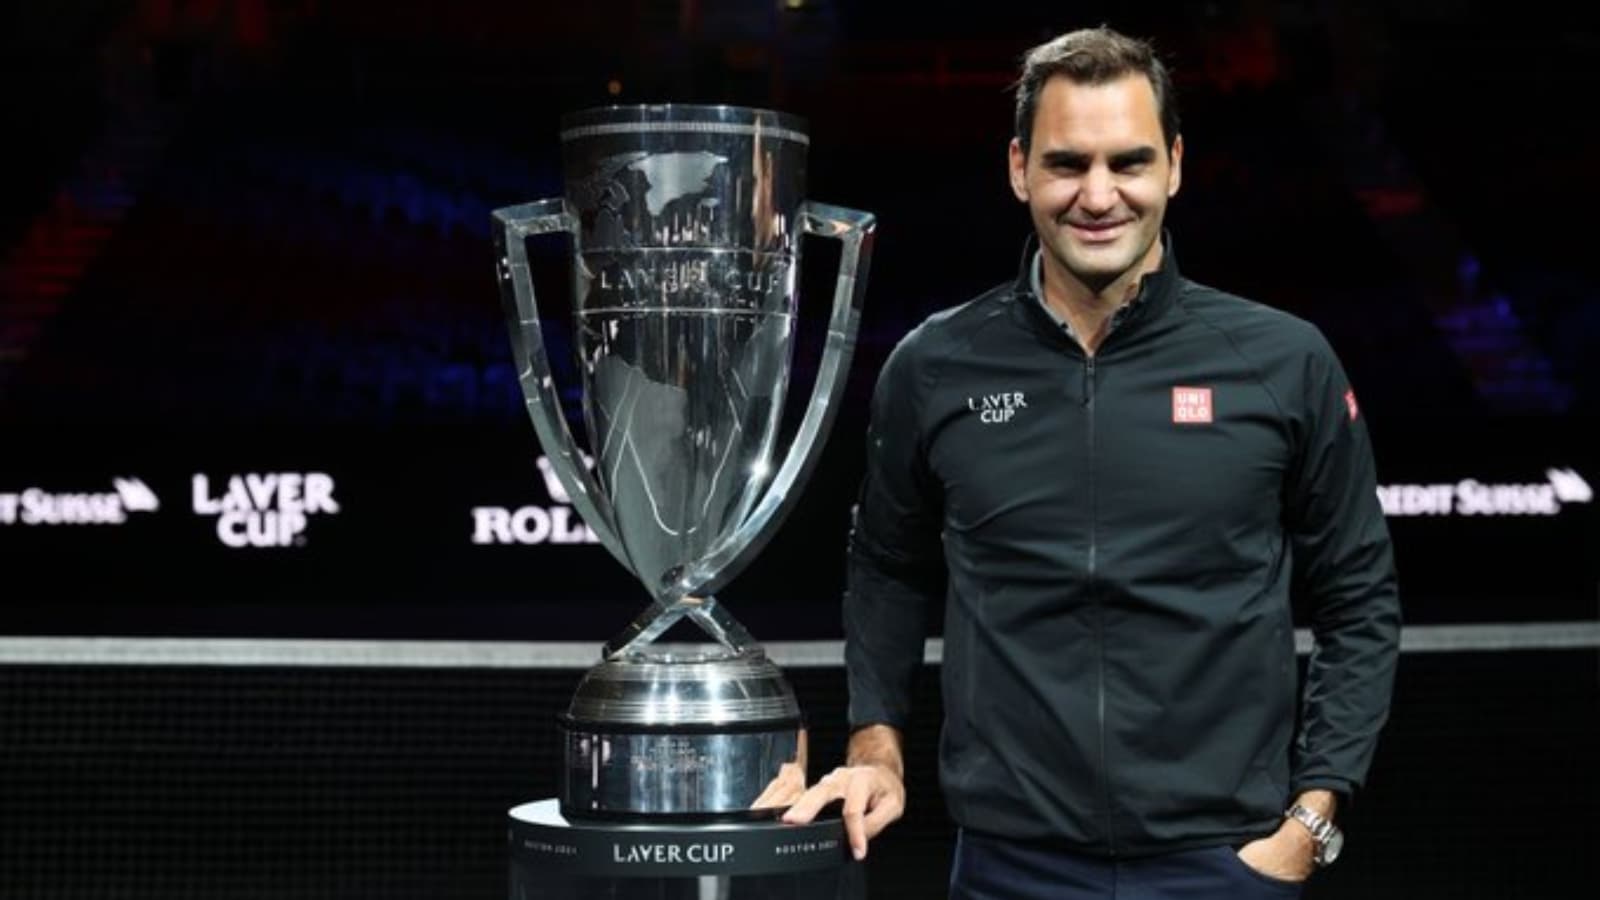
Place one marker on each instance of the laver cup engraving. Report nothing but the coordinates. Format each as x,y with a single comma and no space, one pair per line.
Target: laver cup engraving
686,224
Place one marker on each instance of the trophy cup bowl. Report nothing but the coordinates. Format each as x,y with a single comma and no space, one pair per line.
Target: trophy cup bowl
686,224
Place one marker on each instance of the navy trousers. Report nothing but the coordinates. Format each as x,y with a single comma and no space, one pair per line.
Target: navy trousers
994,868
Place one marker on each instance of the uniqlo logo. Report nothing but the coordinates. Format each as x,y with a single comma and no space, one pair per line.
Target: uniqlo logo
1350,404
1191,405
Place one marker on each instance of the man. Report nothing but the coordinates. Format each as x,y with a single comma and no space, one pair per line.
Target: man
1116,474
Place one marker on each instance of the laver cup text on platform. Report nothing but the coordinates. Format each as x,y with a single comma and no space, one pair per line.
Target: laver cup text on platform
686,224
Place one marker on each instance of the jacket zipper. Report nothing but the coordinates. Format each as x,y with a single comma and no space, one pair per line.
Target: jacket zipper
1100,626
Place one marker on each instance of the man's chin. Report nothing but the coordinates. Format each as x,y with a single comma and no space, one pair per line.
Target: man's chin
1099,268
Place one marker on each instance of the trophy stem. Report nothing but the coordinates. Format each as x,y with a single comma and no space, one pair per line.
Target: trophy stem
711,616
715,619
648,625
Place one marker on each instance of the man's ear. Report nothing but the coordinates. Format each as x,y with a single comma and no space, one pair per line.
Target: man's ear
1175,177
1018,170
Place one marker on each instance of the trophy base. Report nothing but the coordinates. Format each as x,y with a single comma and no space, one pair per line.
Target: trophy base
691,734
702,774
553,858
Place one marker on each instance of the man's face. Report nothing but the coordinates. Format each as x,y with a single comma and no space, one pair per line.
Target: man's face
1097,176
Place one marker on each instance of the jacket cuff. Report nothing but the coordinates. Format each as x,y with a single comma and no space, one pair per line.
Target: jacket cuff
1343,788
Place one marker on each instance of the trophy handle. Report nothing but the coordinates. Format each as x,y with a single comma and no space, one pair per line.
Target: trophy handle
533,367
855,230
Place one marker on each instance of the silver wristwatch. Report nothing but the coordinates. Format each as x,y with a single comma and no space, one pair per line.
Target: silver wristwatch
1329,839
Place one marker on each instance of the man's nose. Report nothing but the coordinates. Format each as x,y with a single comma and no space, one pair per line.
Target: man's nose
1099,192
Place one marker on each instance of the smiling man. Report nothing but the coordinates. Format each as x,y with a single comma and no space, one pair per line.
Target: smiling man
1096,170
1118,480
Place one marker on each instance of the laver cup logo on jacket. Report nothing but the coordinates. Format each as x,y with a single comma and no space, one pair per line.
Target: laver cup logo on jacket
994,409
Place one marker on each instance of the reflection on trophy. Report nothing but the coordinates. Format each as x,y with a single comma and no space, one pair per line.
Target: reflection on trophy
686,223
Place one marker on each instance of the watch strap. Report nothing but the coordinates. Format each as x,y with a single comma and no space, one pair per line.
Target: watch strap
1322,830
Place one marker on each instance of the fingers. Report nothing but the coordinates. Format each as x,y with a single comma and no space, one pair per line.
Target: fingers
889,806
774,794
872,800
811,802
856,794
784,789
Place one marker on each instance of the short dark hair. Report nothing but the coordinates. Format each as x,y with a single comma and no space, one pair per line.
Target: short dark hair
1093,56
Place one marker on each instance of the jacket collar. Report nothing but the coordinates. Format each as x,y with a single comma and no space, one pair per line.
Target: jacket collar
1158,290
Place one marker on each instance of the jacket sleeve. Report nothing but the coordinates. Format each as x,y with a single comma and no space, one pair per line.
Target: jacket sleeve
895,563
1344,567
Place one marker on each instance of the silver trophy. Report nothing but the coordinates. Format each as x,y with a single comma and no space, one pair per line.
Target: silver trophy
686,225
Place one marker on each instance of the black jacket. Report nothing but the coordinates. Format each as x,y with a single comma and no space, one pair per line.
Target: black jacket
1117,538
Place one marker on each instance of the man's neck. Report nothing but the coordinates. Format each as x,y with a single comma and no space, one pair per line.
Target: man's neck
1085,308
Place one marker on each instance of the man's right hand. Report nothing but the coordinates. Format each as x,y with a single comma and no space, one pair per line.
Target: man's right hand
873,797
872,788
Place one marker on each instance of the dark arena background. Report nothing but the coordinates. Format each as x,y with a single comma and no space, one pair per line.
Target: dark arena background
248,243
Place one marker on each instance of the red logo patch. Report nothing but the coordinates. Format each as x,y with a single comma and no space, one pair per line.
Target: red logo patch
1350,404
1191,406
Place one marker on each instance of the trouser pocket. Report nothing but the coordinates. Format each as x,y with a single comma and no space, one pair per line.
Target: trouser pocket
1259,884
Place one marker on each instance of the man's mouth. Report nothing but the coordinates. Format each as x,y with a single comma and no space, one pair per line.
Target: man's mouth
1097,232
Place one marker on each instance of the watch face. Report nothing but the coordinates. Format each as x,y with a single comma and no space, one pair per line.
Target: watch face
1330,851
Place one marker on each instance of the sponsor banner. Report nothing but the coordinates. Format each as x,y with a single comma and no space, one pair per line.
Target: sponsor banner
1560,488
264,509
39,506
467,533
550,522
